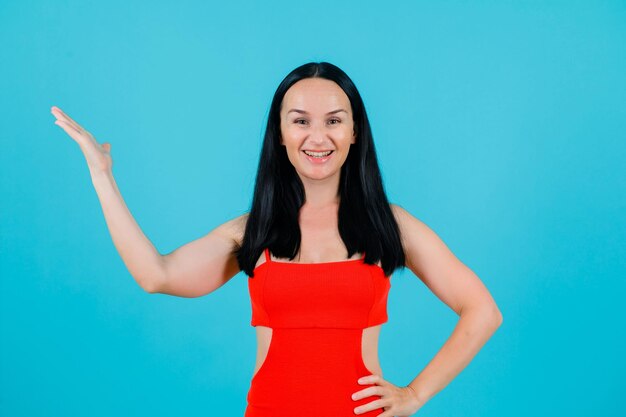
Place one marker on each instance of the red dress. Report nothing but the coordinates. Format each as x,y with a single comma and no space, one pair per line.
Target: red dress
317,312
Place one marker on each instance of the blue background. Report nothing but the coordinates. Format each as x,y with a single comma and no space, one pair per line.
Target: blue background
499,124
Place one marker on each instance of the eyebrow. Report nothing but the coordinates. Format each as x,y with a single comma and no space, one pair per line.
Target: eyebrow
305,112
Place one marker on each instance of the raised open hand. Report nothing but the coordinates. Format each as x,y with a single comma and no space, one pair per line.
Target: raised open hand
98,156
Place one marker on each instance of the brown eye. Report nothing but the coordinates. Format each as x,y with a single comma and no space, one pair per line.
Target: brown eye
297,121
335,120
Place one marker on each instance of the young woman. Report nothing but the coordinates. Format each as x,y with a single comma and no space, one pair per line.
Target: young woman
319,246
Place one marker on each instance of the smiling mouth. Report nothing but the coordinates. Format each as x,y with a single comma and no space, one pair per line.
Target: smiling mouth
318,154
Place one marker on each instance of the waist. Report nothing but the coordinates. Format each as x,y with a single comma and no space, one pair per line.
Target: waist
298,368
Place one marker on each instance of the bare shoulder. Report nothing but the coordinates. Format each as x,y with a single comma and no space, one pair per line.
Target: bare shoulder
403,218
234,228
397,210
417,239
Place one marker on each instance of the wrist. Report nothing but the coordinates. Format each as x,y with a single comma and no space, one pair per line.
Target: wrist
419,397
100,177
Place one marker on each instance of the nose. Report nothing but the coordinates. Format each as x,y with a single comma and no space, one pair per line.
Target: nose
318,133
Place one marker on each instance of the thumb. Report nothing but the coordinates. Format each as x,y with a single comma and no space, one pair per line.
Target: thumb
107,147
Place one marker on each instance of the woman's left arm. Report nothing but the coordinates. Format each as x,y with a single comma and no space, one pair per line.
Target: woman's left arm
457,286
428,257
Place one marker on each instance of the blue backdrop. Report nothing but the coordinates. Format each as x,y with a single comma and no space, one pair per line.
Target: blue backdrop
499,124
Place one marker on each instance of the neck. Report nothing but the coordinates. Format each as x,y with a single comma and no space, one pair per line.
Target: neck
321,194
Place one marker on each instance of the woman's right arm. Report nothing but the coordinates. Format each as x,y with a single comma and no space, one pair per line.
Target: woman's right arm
192,270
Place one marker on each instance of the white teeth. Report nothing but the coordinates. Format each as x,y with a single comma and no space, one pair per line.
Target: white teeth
318,154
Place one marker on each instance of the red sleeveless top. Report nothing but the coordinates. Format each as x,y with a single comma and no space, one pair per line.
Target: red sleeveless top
317,312
341,294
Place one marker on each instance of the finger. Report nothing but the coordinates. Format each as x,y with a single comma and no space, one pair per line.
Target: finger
367,392
63,117
70,130
372,405
369,379
61,114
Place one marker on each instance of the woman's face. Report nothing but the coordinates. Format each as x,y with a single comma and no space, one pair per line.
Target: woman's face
316,116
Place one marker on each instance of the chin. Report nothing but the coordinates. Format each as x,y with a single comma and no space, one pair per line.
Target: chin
317,176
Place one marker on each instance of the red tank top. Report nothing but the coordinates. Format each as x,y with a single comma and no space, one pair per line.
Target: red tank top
317,312
342,294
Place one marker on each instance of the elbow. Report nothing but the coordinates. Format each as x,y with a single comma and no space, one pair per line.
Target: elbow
150,289
496,316
489,314
155,281
152,286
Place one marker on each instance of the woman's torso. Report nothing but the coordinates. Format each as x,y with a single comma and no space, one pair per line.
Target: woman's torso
369,341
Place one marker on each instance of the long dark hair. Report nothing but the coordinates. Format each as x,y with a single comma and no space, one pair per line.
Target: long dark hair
366,222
